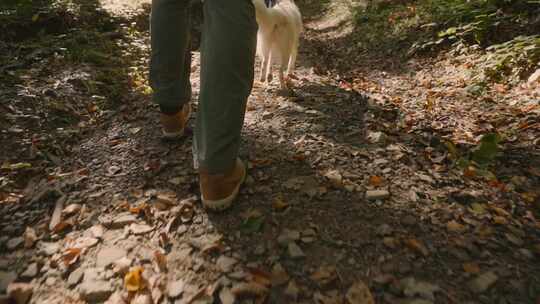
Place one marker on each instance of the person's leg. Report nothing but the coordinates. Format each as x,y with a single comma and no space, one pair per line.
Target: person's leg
227,67
170,62
227,72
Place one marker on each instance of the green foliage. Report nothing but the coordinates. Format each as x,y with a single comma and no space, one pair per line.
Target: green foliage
487,149
506,31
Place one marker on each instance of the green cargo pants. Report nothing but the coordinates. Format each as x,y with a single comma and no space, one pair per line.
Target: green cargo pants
229,35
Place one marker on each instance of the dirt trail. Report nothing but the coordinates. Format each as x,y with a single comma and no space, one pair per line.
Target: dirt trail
338,198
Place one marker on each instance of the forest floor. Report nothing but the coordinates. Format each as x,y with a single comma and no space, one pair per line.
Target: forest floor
353,195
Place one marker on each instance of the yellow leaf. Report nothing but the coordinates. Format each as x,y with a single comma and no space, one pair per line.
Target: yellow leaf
133,281
471,268
278,204
35,17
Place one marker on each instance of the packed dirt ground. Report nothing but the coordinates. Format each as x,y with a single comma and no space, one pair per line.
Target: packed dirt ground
353,194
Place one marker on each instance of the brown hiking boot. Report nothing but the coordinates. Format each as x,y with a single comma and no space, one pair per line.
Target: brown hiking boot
173,125
218,191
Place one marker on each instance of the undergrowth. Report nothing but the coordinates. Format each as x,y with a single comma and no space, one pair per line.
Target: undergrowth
507,31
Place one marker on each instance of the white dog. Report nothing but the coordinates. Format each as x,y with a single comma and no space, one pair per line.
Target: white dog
279,31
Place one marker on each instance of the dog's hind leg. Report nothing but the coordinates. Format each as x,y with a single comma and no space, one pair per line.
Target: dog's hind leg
282,79
292,61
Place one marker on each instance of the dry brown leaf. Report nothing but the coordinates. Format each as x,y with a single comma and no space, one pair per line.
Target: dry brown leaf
454,226
324,275
416,246
261,277
375,180
164,240
62,226
71,255
469,172
161,260
134,281
500,220
472,268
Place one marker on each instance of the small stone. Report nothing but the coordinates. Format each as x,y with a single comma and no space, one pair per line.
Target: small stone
514,239
48,249
85,242
95,291
260,249
310,232
142,298
292,290
20,292
279,275
384,230
376,137
123,219
295,251
75,277
116,298
50,281
526,253
226,296
412,288
30,237
121,266
409,220
30,272
308,239
359,293
288,236
97,231
372,195
483,282
71,209
225,263
107,256
6,278
139,229
14,243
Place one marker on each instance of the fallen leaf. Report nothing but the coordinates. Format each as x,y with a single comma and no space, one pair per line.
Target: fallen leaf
500,220
62,226
416,246
253,221
161,260
471,267
375,180
324,275
71,255
278,204
454,226
134,281
260,276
